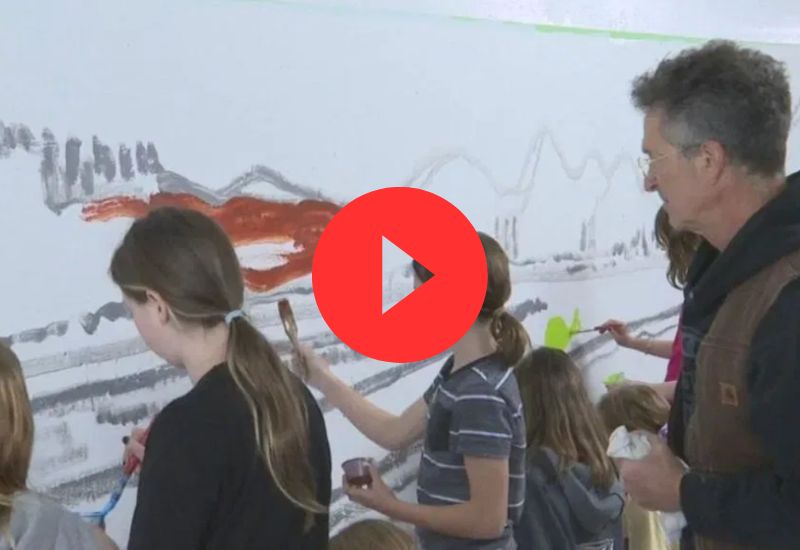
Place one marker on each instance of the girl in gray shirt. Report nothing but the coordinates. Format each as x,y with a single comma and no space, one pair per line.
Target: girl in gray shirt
471,483
29,521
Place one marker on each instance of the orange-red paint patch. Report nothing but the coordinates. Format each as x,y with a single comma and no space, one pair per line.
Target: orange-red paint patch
246,220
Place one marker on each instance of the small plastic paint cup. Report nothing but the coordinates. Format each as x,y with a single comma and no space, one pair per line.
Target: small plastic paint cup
356,471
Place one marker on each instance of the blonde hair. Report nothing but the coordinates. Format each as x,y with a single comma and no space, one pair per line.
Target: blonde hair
373,534
189,261
559,414
511,337
16,434
635,406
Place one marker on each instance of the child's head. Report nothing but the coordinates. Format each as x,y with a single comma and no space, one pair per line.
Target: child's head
372,534
180,276
512,338
178,271
635,406
559,413
16,431
679,245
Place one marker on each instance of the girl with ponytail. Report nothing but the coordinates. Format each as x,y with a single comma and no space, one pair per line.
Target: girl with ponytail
242,460
471,482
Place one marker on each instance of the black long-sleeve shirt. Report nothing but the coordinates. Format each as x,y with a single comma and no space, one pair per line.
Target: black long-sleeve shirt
204,486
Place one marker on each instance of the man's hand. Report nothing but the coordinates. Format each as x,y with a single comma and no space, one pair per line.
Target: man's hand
654,482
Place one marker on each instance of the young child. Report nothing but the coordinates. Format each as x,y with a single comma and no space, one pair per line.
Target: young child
573,499
29,521
373,534
638,407
471,483
242,460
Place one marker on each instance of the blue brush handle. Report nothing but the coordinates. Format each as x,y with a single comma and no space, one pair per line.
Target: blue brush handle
116,494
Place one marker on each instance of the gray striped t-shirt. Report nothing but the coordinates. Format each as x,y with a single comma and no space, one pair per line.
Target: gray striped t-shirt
475,411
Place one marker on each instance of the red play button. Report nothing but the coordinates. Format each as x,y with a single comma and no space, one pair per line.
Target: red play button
348,282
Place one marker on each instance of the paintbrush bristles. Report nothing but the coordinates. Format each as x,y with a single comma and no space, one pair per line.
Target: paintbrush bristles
290,327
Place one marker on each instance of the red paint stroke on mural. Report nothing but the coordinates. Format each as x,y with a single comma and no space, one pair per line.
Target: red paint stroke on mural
247,220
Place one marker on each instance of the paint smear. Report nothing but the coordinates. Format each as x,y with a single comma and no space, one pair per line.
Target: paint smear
110,311
247,220
558,334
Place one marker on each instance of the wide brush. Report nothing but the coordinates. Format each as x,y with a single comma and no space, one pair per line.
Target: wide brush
290,326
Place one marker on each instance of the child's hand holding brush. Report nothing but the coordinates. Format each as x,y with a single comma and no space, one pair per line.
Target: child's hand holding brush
134,447
308,365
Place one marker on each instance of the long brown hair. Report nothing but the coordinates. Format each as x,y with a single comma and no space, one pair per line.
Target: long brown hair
16,434
680,247
372,534
188,260
511,337
559,414
635,406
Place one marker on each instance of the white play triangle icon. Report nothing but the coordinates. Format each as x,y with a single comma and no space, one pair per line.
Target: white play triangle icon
392,256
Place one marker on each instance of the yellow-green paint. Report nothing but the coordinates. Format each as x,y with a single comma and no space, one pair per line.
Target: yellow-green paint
536,27
558,334
617,34
613,379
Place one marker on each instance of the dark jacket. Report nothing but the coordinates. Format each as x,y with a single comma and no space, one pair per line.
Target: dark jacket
564,510
753,507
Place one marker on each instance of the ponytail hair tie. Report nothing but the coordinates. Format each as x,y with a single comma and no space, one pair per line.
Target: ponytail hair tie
232,315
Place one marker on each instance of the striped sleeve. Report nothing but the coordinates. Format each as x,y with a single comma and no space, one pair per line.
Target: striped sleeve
482,422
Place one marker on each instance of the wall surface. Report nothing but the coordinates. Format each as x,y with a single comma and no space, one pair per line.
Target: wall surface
287,110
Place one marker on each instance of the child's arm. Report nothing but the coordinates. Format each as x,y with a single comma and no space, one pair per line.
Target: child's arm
388,430
483,516
658,348
622,336
483,428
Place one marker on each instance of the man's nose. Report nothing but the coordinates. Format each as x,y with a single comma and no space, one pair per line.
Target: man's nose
650,184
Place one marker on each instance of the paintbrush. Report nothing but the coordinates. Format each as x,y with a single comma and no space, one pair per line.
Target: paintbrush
584,331
99,518
290,327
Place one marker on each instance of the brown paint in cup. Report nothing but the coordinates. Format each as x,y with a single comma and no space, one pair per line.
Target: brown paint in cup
356,471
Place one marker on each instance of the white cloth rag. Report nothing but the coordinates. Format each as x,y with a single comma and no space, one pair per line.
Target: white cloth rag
635,446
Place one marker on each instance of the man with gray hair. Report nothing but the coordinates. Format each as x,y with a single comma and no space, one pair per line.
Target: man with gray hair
716,123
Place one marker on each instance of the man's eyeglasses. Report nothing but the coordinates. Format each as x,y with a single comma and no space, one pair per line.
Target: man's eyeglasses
645,163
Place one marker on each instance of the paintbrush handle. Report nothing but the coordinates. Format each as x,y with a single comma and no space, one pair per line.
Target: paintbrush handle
133,461
116,492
